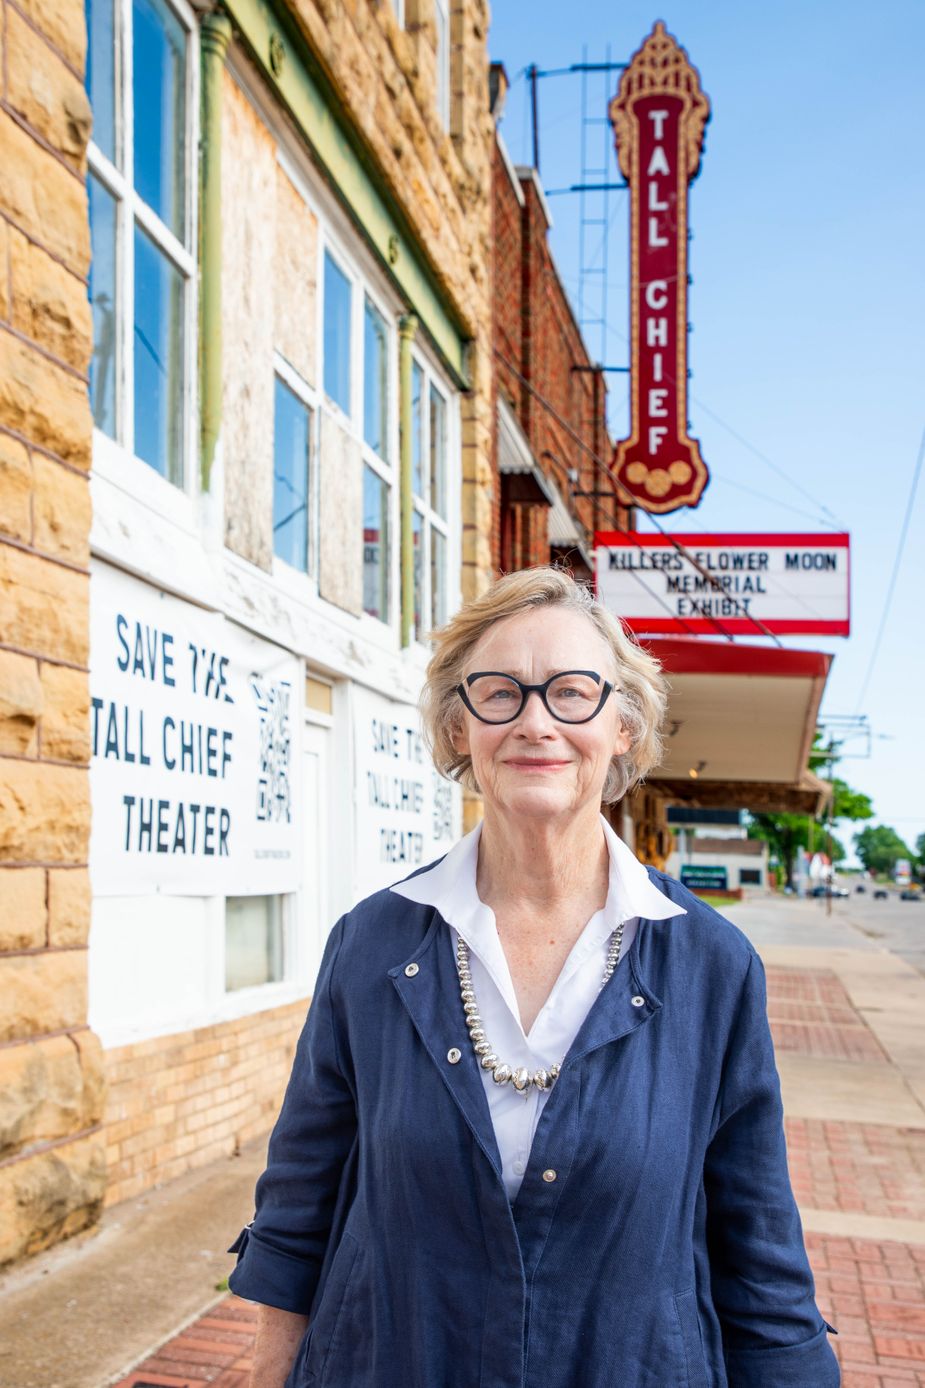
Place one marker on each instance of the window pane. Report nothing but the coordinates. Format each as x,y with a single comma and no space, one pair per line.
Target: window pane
159,58
158,359
437,578
417,442
336,334
417,530
101,73
253,941
291,445
375,545
103,214
375,393
438,452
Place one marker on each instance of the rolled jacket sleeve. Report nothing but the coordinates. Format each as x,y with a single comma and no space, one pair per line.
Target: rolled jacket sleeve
762,1286
280,1253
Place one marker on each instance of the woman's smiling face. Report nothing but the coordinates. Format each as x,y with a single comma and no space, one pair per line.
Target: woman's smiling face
537,766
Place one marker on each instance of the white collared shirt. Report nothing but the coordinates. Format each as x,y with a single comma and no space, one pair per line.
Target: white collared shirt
451,888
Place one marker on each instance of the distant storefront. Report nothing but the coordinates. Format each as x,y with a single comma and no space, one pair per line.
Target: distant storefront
713,853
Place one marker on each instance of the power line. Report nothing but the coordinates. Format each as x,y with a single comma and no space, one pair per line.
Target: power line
604,466
824,511
768,462
896,565
766,496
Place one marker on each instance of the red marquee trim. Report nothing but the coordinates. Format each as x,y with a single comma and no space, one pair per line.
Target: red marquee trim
698,657
747,540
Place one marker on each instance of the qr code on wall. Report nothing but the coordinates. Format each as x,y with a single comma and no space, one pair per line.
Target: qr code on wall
274,774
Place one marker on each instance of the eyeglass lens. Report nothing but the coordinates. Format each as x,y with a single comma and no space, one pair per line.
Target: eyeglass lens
571,698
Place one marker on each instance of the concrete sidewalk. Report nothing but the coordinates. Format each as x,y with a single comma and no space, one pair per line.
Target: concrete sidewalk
136,1302
84,1313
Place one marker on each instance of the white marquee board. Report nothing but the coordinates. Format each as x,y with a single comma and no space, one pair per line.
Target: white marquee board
696,584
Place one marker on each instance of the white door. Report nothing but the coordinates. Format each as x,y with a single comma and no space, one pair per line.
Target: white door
313,912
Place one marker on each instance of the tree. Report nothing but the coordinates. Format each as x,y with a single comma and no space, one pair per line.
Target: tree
920,849
850,804
879,848
787,833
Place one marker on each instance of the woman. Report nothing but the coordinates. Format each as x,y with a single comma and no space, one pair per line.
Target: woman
533,1137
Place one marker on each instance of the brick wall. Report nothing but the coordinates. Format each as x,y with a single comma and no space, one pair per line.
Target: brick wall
535,330
51,1079
180,1101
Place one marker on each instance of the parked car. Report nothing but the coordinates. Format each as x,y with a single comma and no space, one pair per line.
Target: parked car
881,894
860,887
910,894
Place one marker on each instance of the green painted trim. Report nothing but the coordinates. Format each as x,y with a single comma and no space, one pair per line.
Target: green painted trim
290,68
407,327
215,36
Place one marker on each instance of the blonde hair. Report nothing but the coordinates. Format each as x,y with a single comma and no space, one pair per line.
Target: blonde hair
640,693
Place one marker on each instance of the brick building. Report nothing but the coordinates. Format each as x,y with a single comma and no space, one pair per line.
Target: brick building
285,422
551,408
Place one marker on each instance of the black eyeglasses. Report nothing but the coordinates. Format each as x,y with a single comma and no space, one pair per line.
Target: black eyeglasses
573,696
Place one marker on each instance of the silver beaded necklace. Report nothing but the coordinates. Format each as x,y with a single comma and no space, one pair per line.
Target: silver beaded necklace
501,1073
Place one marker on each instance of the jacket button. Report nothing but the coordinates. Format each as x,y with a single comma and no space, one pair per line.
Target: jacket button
637,1001
411,970
454,1055
549,1175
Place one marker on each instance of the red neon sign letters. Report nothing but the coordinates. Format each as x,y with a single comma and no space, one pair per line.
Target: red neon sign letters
658,117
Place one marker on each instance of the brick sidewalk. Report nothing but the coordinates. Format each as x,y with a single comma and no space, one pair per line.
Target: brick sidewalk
215,1349
874,1292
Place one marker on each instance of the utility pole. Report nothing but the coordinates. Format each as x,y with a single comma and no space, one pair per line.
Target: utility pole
533,74
832,757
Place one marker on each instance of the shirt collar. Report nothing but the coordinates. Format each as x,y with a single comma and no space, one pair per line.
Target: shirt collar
450,887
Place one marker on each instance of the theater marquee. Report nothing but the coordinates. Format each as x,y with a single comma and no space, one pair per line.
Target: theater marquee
701,584
658,118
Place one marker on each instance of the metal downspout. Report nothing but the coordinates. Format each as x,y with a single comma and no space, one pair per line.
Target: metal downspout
215,34
407,327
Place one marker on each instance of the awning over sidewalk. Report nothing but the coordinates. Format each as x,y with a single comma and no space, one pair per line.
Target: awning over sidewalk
523,478
740,724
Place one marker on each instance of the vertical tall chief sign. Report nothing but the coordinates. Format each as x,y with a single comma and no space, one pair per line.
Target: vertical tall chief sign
658,118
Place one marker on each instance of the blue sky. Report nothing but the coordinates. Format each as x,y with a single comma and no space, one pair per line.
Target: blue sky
808,301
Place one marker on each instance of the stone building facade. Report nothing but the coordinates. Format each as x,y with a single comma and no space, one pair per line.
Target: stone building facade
52,1167
280,400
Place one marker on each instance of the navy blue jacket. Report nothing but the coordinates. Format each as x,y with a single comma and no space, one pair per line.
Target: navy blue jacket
666,1253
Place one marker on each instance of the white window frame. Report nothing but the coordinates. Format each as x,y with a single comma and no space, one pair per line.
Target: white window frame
330,250
354,423
442,90
297,581
290,914
431,379
113,456
386,469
